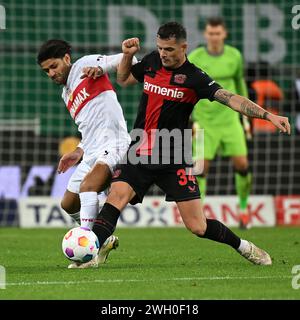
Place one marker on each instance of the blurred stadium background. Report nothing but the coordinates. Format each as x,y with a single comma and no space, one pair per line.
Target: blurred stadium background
35,125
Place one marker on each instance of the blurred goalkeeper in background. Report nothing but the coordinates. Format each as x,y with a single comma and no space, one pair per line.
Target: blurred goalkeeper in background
92,102
222,126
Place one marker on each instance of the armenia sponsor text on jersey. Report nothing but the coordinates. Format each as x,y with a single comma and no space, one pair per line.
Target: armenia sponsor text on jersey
168,97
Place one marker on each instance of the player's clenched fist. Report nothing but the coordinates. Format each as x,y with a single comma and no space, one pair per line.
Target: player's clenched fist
131,46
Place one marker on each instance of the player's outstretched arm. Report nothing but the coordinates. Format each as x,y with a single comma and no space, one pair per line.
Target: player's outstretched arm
251,109
129,48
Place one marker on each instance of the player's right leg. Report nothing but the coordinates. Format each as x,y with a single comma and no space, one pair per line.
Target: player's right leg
129,184
71,200
71,204
121,193
95,181
104,226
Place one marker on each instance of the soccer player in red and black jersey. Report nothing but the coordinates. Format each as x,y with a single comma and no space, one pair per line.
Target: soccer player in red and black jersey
172,86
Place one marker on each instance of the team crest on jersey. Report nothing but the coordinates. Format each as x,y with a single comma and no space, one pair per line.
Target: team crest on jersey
179,78
70,94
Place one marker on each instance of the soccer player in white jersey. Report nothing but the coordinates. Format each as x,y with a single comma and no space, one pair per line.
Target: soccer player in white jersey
92,103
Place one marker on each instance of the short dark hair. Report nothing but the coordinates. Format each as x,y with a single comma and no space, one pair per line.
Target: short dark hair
215,21
172,30
53,48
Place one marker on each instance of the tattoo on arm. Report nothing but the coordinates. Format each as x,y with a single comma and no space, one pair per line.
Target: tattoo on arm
240,104
223,96
253,110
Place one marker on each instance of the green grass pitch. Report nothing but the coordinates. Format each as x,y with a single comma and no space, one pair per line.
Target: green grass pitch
150,263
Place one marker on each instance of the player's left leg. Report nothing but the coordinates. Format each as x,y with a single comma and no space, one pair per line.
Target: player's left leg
180,186
243,185
194,219
95,181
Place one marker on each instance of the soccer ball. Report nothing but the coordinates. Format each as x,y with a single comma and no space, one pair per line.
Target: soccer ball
80,244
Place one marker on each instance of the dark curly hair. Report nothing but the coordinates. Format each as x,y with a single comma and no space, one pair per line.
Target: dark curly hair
53,48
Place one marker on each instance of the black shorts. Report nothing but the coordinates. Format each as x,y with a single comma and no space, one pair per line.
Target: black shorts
176,181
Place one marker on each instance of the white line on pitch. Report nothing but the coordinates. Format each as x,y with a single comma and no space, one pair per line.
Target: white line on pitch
41,283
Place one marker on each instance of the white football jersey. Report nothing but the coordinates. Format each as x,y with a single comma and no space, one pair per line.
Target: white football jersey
94,106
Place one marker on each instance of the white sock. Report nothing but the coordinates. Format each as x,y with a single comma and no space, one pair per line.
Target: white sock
89,208
75,217
244,246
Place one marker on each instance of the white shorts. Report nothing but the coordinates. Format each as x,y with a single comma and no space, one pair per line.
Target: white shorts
111,157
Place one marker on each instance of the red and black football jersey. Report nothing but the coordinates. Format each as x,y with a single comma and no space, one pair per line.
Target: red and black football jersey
168,97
